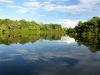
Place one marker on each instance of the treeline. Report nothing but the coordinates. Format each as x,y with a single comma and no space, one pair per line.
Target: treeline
87,33
87,28
8,26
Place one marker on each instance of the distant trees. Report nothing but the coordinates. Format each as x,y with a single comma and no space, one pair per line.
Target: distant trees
87,33
22,31
9,26
90,27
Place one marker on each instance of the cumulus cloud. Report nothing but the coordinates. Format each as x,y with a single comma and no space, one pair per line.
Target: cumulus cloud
83,6
68,23
13,6
51,5
32,4
22,10
6,1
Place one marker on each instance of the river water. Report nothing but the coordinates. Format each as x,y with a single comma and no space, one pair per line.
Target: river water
49,57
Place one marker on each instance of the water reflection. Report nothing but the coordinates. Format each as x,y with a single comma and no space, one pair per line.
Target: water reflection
5,59
48,57
26,38
93,42
67,39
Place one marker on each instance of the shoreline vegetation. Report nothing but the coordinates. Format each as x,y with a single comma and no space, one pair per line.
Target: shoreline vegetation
87,33
22,31
8,26
87,28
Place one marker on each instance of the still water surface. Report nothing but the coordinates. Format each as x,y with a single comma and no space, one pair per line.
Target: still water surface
49,57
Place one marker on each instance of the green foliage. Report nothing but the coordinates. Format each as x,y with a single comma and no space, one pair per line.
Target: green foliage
8,26
87,33
71,32
22,31
90,27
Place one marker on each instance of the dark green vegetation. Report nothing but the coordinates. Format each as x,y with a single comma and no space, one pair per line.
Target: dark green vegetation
22,31
8,26
87,33
88,28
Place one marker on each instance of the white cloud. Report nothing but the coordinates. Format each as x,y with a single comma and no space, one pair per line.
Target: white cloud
57,0
6,1
51,5
83,6
32,0
13,6
22,10
68,23
32,4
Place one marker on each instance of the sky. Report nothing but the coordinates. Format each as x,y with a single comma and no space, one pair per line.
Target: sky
65,12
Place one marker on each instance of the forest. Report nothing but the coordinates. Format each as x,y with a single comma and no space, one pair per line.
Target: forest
8,26
22,31
87,33
87,28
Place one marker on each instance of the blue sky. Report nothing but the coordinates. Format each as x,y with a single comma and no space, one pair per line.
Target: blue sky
65,12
